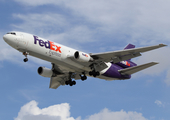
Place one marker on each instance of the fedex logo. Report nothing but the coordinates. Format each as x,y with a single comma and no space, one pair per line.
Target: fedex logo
125,63
47,44
84,54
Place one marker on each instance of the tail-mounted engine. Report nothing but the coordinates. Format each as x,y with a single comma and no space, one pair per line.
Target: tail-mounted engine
82,57
45,72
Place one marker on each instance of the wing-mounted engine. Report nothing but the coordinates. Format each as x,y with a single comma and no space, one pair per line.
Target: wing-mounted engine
45,72
82,57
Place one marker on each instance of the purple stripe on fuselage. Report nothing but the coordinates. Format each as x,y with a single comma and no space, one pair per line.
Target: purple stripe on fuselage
112,72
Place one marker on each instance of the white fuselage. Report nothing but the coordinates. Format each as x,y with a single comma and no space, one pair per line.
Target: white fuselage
49,51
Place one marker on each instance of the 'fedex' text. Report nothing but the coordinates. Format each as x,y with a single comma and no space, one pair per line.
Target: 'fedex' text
47,44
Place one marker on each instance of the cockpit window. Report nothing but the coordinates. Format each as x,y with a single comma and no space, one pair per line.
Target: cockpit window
12,33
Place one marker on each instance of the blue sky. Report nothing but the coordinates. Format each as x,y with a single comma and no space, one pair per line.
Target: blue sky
92,26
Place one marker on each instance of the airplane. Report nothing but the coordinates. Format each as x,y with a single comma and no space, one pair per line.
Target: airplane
68,63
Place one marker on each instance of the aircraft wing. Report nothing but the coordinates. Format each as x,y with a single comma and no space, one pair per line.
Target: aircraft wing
121,55
132,70
55,82
61,75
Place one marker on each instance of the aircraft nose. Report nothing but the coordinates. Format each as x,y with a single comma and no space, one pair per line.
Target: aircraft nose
9,39
5,37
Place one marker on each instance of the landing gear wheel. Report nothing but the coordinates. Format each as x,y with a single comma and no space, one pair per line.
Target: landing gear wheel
83,78
74,82
94,73
66,82
90,73
26,59
71,83
97,73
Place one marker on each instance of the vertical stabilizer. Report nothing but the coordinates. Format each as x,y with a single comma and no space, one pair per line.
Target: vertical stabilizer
129,63
129,46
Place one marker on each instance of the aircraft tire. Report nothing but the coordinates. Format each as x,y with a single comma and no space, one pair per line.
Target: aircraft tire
90,73
83,78
94,75
97,73
26,59
66,83
74,82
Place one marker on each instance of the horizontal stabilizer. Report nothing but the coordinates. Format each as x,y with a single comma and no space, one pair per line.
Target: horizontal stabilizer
132,70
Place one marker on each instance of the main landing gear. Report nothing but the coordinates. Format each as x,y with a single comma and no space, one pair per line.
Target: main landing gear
94,73
25,54
70,81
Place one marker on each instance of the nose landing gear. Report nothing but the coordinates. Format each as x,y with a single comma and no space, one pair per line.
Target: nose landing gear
25,54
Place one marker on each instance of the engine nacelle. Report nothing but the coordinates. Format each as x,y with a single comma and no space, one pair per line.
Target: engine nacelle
45,72
82,57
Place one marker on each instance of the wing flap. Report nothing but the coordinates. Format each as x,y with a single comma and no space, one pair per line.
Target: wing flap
132,70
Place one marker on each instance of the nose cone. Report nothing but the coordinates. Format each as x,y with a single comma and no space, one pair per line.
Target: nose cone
9,39
5,38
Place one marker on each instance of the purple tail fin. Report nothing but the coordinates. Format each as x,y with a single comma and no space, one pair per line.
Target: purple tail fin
129,46
127,63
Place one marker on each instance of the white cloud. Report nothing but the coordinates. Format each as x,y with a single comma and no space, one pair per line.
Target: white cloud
31,111
119,115
167,80
127,21
159,103
35,22
140,20
37,2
